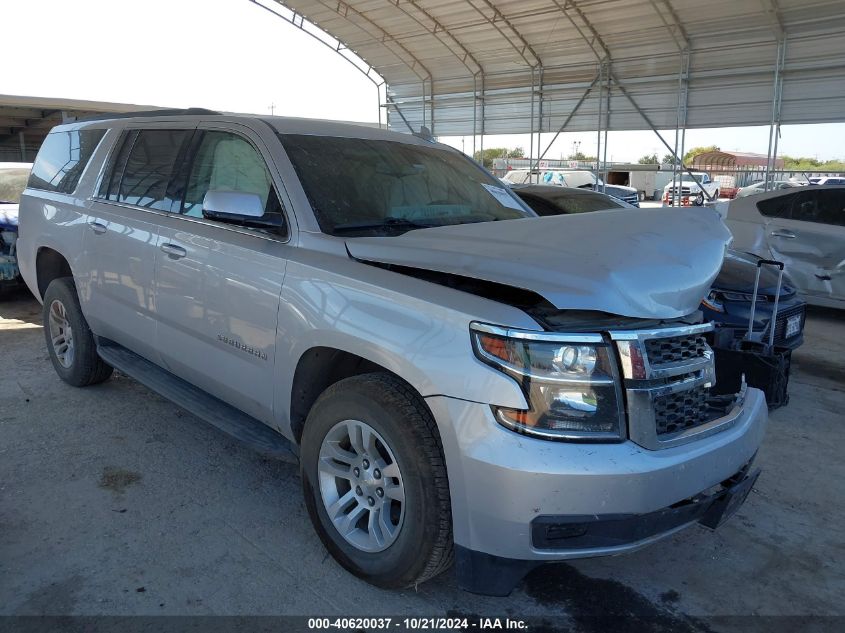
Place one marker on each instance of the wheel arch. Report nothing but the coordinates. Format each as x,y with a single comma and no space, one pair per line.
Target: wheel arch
320,367
50,264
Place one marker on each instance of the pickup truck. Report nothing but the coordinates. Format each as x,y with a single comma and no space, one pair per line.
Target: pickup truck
695,189
458,379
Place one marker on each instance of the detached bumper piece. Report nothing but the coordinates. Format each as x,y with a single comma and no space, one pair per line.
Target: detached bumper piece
485,574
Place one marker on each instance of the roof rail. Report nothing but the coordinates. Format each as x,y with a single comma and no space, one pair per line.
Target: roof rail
147,113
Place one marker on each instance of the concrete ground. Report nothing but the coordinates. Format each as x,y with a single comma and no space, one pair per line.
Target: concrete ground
115,501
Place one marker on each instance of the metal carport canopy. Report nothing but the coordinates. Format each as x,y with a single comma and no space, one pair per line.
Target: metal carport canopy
465,67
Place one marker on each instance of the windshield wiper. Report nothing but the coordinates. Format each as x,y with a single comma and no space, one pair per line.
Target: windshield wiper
389,223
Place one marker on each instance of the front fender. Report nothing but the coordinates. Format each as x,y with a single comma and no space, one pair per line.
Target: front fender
422,340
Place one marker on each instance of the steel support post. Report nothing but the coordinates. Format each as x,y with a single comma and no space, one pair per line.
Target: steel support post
483,118
432,106
531,129
22,141
774,126
474,111
606,128
539,113
566,121
598,132
680,128
423,103
378,99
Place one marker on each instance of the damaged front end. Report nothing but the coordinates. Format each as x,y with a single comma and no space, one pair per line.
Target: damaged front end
9,272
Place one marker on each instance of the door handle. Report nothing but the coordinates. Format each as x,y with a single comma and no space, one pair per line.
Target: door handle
787,234
174,251
97,227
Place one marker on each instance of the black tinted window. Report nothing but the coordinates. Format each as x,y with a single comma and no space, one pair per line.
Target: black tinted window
776,207
62,159
149,167
823,207
539,205
228,162
556,203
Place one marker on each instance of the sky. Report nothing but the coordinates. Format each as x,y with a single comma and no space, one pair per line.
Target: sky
234,56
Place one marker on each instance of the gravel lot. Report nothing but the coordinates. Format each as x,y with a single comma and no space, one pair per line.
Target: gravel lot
115,501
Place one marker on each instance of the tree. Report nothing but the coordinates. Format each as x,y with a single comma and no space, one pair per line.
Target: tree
492,153
803,163
580,156
695,151
668,159
648,159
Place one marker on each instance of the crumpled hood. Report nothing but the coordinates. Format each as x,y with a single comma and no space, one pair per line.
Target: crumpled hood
651,263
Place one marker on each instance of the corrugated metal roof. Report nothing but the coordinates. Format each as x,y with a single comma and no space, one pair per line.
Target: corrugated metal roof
452,49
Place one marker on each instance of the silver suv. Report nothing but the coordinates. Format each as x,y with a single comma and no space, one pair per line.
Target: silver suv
459,379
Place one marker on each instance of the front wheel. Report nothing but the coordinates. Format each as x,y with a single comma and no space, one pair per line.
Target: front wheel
699,199
375,481
70,342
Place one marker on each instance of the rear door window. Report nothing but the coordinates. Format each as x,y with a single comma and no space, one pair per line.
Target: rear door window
62,159
777,207
149,167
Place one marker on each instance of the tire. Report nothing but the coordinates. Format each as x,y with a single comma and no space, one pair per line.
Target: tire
74,355
716,196
699,199
405,436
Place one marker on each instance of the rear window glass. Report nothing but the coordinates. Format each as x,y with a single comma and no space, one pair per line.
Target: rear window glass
777,207
565,202
62,159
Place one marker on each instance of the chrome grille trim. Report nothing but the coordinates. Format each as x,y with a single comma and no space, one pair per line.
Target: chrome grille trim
645,382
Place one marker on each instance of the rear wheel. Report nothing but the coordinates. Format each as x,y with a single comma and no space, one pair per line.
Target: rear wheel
375,481
70,342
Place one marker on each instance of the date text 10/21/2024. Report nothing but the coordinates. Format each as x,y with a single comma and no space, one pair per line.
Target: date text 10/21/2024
417,623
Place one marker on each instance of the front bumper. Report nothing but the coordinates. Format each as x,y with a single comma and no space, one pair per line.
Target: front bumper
502,482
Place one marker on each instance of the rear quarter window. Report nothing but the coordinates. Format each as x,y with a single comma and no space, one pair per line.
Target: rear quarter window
62,159
777,207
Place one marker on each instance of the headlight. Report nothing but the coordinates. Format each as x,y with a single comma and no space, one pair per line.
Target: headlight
569,381
740,296
712,301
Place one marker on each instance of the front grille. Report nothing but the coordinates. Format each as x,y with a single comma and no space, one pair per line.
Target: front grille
668,374
780,323
632,199
662,351
679,411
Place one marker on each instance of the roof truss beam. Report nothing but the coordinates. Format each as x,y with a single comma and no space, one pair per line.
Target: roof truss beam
673,25
499,22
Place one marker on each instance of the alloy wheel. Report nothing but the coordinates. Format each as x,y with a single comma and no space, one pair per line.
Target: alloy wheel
361,486
61,334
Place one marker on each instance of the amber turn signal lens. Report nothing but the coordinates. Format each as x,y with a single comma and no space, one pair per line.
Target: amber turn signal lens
495,346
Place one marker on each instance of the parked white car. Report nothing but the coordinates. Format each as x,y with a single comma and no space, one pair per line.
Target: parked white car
828,180
760,187
561,177
693,191
802,227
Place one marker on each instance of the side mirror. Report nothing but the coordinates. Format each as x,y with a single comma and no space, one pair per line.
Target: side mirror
238,207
